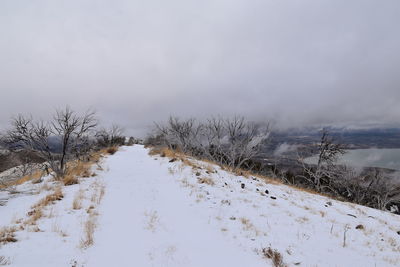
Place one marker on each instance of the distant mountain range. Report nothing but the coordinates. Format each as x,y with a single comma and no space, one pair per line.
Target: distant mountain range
351,138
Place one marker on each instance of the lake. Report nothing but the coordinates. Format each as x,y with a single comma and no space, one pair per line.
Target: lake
372,157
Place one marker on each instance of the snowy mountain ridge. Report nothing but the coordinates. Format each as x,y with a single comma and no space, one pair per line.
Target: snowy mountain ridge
142,210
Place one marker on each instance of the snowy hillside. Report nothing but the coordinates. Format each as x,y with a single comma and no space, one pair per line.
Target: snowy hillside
141,210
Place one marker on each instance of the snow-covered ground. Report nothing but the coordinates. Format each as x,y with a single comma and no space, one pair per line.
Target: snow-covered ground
160,213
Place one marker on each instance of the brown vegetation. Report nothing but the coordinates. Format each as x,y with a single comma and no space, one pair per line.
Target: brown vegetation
112,150
274,255
88,229
70,180
7,235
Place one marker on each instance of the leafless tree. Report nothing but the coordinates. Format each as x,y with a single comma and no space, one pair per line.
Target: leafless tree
182,134
112,136
67,127
325,169
212,140
244,140
232,141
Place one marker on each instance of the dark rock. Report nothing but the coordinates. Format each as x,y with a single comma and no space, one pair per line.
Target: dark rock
266,191
242,185
398,232
173,160
273,197
197,174
351,215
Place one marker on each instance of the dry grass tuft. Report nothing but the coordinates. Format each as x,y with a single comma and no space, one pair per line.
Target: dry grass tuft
205,180
166,152
7,235
248,226
80,168
274,255
88,229
77,203
34,215
70,179
37,210
112,150
51,198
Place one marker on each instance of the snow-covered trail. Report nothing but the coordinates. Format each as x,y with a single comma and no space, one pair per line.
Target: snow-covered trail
155,212
146,220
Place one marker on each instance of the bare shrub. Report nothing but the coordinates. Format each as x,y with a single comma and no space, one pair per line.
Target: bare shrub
112,136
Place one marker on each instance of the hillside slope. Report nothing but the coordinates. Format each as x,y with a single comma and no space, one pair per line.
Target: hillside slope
143,210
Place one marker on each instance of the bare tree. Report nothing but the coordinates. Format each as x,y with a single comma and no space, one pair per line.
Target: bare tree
68,129
244,141
111,136
232,142
182,134
325,169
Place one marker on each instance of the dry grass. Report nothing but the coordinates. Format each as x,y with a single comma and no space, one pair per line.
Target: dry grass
153,220
248,226
70,180
77,202
166,152
302,219
7,235
46,187
89,227
112,150
51,198
37,210
274,255
35,176
205,180
56,229
80,168
34,215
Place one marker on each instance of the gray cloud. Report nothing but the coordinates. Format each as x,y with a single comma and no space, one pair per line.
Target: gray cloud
296,62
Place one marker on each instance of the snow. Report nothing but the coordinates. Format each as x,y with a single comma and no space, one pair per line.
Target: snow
156,213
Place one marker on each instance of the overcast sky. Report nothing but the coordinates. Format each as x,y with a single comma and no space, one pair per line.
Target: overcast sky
295,62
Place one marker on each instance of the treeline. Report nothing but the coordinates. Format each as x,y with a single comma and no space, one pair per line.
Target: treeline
232,142
238,144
